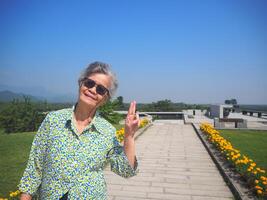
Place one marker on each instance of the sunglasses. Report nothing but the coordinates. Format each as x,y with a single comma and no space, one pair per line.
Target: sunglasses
100,89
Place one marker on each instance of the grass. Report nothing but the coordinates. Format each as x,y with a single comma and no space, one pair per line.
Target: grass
250,142
118,126
14,151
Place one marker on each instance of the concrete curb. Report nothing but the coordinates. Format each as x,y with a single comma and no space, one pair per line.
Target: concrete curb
141,131
236,186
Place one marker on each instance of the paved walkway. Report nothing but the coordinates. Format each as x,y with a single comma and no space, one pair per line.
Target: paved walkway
173,164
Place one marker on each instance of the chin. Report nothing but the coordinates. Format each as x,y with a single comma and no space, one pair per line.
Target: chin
89,102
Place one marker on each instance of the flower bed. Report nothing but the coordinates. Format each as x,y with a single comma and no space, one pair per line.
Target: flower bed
120,133
12,195
246,167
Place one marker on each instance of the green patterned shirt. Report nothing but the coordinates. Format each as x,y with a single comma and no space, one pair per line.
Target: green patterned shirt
61,160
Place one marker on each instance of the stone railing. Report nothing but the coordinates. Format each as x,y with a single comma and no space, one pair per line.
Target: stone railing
220,123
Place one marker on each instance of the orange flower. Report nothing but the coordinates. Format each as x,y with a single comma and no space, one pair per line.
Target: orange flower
258,187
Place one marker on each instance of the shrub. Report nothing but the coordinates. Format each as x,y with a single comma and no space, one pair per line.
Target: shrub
20,116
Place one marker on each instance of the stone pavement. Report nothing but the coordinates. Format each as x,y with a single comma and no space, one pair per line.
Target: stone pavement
173,164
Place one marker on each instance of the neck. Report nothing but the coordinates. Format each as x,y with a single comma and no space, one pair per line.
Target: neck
83,113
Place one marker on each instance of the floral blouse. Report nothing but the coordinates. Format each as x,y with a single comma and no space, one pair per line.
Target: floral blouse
61,160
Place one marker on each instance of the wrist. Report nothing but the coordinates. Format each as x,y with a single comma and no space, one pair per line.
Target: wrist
129,134
128,138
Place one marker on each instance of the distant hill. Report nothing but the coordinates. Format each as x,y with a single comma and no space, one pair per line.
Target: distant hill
41,93
6,96
253,107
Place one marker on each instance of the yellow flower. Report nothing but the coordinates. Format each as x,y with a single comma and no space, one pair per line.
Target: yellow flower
120,134
253,164
259,191
256,181
14,194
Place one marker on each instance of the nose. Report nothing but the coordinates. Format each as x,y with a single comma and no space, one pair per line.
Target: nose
93,89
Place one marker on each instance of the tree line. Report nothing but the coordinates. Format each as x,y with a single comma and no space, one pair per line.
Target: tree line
168,106
25,115
165,105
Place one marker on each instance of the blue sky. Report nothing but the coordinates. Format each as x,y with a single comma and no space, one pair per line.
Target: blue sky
187,51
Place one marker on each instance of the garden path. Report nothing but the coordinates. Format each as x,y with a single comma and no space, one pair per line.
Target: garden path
173,164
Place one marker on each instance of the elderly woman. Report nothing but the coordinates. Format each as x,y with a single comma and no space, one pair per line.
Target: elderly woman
73,146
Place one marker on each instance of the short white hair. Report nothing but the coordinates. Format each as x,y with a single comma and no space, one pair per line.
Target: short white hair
100,68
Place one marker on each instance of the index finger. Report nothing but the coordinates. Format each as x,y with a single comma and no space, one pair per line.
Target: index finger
131,110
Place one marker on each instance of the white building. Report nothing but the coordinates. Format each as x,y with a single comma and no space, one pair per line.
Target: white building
219,111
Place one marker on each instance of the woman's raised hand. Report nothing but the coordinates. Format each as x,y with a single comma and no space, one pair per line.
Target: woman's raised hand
131,126
131,121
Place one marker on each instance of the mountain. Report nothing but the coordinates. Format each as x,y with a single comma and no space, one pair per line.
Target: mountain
41,93
6,96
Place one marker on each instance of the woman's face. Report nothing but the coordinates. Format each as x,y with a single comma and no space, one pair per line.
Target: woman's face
91,96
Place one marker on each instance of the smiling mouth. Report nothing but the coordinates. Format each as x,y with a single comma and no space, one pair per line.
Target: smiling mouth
90,96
